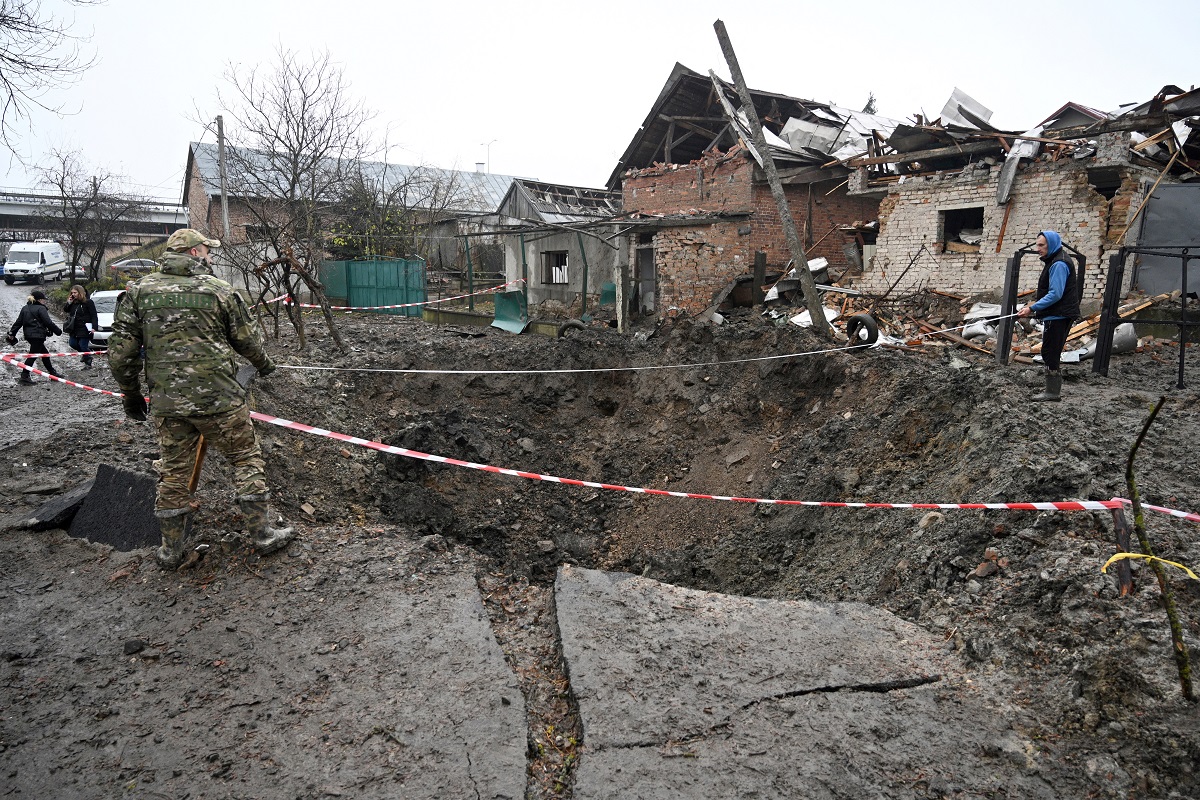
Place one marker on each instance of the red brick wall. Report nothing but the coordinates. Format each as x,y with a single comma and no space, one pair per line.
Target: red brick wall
713,184
697,261
830,205
205,215
197,201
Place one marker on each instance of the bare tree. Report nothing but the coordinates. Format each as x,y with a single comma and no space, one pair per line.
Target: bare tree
38,52
394,210
298,137
89,210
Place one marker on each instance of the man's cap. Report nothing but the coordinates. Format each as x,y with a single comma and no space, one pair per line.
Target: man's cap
38,294
187,238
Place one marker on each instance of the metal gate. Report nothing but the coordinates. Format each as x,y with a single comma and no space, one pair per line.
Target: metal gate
376,282
1169,225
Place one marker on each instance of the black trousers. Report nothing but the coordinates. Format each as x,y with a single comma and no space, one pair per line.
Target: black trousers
1054,336
38,346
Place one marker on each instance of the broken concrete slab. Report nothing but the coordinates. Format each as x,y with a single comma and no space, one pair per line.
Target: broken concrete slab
691,694
119,510
59,512
300,679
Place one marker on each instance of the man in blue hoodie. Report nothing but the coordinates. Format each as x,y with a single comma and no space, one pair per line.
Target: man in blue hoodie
1057,306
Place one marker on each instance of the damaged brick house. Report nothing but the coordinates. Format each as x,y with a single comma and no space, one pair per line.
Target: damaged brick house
959,197
698,205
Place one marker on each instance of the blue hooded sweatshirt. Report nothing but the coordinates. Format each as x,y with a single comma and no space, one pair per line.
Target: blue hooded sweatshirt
1059,271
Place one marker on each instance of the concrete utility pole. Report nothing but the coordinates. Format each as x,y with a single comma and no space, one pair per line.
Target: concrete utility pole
811,299
224,186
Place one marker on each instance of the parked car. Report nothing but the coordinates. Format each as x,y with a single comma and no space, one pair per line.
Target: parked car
106,307
134,266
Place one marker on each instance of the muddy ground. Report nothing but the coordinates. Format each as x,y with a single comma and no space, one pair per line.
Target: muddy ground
1018,597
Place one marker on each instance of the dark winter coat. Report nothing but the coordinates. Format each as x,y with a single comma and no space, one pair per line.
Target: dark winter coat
1067,306
34,322
78,315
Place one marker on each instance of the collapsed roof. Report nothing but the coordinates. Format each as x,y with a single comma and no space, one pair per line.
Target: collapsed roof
696,113
1164,132
534,201
693,114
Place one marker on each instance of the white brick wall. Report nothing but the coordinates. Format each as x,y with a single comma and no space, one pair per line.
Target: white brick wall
1046,195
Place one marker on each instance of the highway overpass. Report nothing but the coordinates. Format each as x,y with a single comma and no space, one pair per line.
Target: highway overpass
22,219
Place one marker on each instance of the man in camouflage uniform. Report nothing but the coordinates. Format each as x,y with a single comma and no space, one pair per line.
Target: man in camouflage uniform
191,325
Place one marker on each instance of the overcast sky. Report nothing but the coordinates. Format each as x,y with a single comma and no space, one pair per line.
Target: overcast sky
559,89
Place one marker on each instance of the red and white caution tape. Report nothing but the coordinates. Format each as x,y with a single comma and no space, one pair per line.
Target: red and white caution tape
18,361
59,355
1162,510
272,300
493,290
1064,505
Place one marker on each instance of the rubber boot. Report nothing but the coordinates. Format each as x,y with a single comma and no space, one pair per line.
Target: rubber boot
266,539
25,378
1053,389
175,525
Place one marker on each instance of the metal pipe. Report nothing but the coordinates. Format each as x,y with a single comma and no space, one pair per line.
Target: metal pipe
583,255
524,271
470,279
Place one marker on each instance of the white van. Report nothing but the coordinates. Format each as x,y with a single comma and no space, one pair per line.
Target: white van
37,261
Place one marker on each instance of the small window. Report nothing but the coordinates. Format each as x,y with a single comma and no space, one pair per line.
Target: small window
554,266
962,230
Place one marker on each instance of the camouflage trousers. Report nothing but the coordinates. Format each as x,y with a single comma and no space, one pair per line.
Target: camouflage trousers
230,432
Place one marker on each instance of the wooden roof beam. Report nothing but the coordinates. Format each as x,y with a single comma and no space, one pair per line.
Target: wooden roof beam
924,155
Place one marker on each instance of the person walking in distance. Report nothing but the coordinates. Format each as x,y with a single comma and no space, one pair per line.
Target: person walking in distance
81,322
1057,305
192,325
35,325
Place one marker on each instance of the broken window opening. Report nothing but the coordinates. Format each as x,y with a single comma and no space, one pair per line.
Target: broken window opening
1106,182
962,229
554,266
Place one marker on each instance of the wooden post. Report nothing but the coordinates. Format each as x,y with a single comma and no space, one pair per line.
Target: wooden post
760,277
811,299
1003,226
621,278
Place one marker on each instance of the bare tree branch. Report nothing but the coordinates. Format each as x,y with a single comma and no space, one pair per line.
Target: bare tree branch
89,209
298,138
38,53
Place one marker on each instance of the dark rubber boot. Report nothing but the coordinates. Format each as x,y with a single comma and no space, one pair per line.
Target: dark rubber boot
25,378
175,526
266,539
1053,391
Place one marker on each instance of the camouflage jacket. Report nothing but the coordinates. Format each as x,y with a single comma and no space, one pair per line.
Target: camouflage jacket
191,326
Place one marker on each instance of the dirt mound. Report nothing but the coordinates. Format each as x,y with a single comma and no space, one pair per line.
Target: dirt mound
1017,595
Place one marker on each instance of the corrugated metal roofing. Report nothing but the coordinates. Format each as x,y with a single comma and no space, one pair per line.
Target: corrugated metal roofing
474,192
559,204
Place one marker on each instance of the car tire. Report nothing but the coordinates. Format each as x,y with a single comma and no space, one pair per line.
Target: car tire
570,325
861,324
9,280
